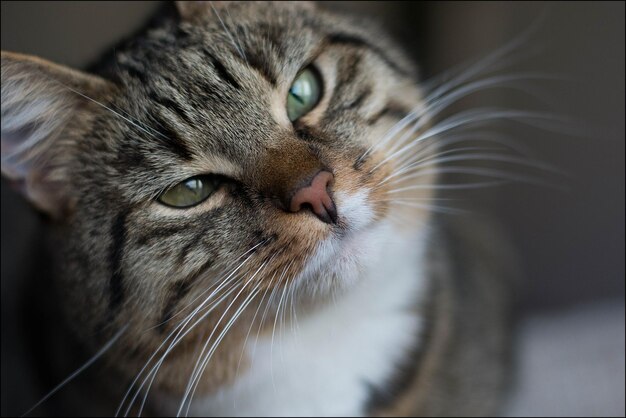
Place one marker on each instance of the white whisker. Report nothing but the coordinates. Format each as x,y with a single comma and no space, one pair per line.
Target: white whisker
414,161
493,61
470,117
283,277
279,313
111,110
197,371
419,165
254,293
457,186
178,330
484,172
434,208
243,348
436,106
207,289
236,44
82,368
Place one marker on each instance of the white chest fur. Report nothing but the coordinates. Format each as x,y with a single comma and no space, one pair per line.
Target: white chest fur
325,367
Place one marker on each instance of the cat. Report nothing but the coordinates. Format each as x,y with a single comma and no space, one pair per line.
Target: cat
241,207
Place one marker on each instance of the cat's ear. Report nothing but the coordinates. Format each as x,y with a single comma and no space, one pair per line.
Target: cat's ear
44,107
194,10
197,10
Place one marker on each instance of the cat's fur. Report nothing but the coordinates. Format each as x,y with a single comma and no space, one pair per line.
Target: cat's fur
388,311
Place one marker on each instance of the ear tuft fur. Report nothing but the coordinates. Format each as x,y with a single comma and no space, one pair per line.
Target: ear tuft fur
194,10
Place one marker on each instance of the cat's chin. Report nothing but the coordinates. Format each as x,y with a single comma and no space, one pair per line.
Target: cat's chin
341,258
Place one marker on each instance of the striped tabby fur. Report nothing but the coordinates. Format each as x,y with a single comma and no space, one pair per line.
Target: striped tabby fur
204,92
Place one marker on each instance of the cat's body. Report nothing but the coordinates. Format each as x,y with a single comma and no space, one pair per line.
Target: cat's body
297,286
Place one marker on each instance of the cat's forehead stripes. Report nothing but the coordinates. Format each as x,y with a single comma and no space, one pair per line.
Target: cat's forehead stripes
222,72
215,112
276,44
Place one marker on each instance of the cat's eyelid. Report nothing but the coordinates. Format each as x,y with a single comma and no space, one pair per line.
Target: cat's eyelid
214,201
207,165
202,166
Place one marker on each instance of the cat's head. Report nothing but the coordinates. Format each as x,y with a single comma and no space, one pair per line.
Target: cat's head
234,150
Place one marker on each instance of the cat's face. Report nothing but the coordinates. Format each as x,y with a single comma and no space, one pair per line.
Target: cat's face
273,194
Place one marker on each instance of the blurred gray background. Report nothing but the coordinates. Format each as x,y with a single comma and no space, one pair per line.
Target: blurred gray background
571,243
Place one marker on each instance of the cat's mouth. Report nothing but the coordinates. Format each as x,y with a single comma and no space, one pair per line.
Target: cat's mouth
340,255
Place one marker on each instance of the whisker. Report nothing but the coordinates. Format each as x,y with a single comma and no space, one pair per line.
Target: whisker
82,368
198,368
249,299
492,61
206,290
294,316
479,136
236,44
181,330
407,166
394,130
470,117
284,276
178,330
418,199
267,306
477,157
227,327
434,208
279,314
112,111
446,93
484,172
154,371
255,292
457,186
250,328
433,105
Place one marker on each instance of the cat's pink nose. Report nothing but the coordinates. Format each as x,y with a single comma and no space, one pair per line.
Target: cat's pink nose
316,196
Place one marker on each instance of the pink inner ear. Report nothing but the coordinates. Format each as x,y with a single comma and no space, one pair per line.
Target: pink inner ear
26,173
9,143
36,106
14,166
28,122
47,195
14,171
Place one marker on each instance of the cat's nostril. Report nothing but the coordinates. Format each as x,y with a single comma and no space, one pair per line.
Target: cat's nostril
316,197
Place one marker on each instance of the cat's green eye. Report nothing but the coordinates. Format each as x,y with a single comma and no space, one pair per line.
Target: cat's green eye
189,192
304,94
